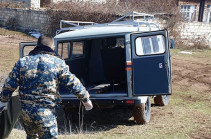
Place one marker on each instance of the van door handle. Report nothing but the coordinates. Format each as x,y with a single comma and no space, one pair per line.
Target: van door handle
166,65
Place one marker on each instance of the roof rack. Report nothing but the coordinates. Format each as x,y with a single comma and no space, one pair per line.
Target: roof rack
131,19
72,25
133,16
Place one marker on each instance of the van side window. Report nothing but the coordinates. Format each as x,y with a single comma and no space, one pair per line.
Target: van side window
150,45
63,49
77,49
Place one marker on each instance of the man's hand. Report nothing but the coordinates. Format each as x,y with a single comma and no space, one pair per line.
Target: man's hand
88,105
3,106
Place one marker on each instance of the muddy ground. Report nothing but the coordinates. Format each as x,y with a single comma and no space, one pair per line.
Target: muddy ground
188,114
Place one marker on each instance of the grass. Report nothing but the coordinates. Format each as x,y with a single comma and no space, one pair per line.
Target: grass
192,100
8,58
178,120
12,33
196,55
9,48
182,118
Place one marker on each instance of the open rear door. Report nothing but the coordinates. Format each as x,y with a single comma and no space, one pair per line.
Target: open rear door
151,63
25,48
9,117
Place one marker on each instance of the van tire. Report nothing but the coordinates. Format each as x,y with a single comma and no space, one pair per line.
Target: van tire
142,112
161,100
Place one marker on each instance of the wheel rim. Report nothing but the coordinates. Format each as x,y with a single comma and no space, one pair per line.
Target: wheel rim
147,110
165,99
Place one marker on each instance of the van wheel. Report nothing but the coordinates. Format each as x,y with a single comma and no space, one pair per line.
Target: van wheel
142,112
161,100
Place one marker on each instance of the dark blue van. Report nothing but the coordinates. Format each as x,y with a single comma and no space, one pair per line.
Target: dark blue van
124,62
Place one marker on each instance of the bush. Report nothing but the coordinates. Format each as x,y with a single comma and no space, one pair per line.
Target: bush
57,15
12,5
106,12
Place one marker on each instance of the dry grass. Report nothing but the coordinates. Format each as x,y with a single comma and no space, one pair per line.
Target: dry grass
9,48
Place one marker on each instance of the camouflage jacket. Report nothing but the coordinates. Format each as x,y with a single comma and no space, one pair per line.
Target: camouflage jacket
39,77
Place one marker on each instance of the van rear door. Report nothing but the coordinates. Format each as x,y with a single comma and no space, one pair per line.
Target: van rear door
151,63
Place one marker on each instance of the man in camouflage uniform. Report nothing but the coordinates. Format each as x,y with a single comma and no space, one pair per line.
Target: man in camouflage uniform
38,76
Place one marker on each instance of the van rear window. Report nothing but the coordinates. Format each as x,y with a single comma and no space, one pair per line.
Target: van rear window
150,45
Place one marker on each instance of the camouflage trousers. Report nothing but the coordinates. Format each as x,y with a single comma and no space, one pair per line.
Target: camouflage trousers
39,122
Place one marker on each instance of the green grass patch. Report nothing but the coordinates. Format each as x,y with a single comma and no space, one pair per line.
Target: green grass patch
201,107
196,54
190,98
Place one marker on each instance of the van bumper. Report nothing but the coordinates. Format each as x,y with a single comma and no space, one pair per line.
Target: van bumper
103,102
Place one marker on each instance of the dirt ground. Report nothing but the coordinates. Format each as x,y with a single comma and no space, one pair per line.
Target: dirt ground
193,74
188,114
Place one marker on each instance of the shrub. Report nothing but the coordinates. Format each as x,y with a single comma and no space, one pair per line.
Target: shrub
106,12
12,5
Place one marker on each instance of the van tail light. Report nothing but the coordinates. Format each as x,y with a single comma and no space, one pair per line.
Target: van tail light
129,102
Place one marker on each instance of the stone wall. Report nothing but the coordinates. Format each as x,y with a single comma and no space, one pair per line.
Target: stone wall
196,31
24,19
